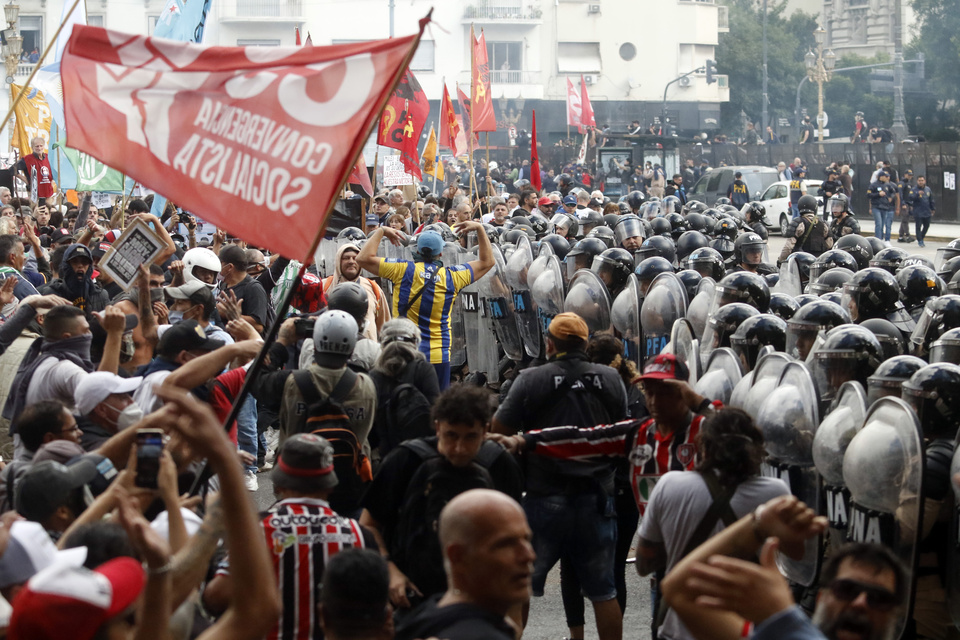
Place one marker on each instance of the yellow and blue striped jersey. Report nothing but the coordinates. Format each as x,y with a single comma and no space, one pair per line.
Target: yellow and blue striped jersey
431,310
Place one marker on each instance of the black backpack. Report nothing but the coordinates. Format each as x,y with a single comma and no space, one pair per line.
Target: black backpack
327,418
415,544
405,416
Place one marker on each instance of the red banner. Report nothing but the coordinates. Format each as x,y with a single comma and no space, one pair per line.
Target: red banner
483,118
359,176
403,120
535,157
586,109
449,127
255,140
573,106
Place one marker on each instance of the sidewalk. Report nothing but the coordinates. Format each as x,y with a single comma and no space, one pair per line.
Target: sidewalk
939,231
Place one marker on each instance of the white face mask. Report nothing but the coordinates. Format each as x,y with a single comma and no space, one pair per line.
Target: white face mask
131,415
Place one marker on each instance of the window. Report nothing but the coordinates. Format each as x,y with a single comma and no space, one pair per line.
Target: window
245,42
31,28
578,57
95,20
424,57
692,56
505,56
152,23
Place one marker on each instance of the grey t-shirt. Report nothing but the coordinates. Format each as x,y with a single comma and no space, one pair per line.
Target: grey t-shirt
678,503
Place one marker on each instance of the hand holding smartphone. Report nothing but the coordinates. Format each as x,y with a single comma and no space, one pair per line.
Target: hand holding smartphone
149,451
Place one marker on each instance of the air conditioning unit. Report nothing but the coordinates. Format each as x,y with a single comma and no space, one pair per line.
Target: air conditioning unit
684,81
593,8
590,79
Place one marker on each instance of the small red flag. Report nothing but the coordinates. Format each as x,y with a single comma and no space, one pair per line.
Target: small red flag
586,109
360,176
534,157
309,41
449,127
298,35
403,120
574,109
483,117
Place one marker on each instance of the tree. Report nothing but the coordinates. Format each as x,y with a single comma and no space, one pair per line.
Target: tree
935,35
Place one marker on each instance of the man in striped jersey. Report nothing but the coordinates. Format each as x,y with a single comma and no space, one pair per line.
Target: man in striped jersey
302,533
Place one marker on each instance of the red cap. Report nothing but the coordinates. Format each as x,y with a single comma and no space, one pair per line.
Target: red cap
74,602
544,201
665,366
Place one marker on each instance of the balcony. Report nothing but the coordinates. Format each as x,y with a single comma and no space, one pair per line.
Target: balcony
502,76
290,11
504,11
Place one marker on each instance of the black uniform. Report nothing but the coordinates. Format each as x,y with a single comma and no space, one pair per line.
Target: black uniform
844,227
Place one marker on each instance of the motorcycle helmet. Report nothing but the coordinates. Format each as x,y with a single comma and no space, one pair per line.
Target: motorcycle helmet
201,265
352,298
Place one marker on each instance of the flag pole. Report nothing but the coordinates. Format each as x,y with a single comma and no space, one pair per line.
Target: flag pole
36,67
473,102
206,472
443,84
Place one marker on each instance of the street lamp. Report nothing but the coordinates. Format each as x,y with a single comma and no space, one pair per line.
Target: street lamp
13,41
820,67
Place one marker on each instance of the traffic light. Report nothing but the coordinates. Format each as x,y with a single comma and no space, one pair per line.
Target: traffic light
711,71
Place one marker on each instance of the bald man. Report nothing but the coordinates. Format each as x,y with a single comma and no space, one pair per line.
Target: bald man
488,558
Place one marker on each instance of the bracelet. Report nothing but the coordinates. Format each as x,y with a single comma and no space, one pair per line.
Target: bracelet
165,569
703,406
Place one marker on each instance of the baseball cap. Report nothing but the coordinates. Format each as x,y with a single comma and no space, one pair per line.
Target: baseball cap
665,366
883,174
431,242
186,335
47,484
380,197
908,172
568,325
61,236
195,291
545,201
112,235
30,550
101,249
95,387
75,602
305,462
570,200
738,175
595,203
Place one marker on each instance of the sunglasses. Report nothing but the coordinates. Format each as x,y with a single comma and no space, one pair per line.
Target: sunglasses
878,598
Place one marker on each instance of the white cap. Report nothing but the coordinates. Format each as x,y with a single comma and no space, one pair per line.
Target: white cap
161,524
95,387
30,551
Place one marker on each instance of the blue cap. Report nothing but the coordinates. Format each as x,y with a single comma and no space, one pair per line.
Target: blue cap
570,200
430,242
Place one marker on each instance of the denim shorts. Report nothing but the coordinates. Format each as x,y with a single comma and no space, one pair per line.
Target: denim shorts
581,528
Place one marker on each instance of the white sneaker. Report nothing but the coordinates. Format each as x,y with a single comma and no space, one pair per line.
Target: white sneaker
250,479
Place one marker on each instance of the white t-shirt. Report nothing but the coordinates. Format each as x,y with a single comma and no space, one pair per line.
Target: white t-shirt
55,379
678,503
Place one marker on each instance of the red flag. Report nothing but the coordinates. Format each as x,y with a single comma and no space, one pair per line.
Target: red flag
483,118
534,157
465,112
309,41
449,127
298,35
360,176
586,109
256,142
573,105
403,120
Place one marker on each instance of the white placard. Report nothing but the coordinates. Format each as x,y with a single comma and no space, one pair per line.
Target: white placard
100,200
394,174
139,244
950,180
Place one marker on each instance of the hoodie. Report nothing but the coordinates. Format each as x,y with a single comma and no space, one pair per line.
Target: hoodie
378,310
455,621
79,289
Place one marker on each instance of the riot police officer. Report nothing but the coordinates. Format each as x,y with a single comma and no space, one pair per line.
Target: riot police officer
844,223
807,232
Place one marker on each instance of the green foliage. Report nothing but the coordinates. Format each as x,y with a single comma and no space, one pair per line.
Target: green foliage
937,36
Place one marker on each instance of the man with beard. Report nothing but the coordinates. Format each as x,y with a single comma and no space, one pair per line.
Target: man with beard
864,585
76,281
347,270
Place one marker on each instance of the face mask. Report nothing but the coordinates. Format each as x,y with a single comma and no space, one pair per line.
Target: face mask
130,416
175,316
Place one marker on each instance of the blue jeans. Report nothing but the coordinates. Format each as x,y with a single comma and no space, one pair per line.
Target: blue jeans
247,437
443,374
793,210
882,223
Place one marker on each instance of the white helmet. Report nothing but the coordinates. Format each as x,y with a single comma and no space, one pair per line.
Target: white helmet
203,258
334,338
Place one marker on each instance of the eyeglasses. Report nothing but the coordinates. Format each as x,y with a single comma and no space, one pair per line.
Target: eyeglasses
71,429
849,590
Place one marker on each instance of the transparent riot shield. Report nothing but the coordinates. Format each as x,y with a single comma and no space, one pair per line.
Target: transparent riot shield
788,419
664,304
883,469
830,442
790,281
721,375
326,257
497,303
700,306
453,255
548,293
741,389
517,276
545,249
589,298
953,550
683,344
765,376
625,316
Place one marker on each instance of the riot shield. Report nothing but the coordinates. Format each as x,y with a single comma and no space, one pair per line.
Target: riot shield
829,444
547,292
790,281
481,342
545,249
788,419
764,381
625,316
454,255
517,276
589,298
683,344
497,303
700,306
664,304
953,550
721,375
326,257
883,469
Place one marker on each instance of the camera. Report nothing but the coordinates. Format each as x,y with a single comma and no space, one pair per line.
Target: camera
304,326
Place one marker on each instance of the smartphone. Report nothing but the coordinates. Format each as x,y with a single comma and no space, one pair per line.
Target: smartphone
149,450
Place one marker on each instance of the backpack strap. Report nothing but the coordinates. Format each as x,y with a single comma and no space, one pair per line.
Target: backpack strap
489,453
311,394
572,373
427,276
344,385
420,447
